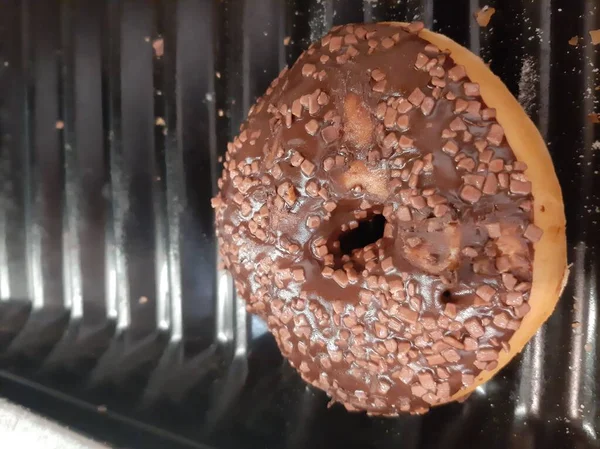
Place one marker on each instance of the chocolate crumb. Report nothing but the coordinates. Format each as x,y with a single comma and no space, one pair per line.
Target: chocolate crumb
458,125
495,134
470,194
335,43
484,15
471,89
415,27
533,233
330,134
486,355
457,73
307,167
422,60
404,213
490,187
312,127
158,45
474,327
486,292
488,114
416,97
520,187
380,86
350,39
450,147
341,278
387,43
308,69
377,75
427,105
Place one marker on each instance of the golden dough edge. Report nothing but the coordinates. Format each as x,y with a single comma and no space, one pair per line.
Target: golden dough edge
550,271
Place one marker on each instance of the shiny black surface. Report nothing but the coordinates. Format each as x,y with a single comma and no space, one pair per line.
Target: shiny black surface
113,318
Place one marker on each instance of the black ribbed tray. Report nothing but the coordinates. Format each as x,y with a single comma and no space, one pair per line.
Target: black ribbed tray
113,318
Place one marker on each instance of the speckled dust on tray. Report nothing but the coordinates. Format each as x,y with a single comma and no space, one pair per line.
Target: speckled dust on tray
528,81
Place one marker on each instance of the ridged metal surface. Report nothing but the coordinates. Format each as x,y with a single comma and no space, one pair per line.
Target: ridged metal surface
113,317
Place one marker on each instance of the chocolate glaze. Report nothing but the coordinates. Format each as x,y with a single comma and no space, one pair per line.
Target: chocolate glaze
373,120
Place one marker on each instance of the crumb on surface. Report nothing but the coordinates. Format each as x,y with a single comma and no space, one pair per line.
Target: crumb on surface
595,35
286,40
159,47
60,124
484,15
574,41
160,121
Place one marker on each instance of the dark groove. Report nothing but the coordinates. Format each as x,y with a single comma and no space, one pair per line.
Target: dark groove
28,134
111,88
68,144
162,129
91,189
47,163
138,167
197,162
169,180
14,170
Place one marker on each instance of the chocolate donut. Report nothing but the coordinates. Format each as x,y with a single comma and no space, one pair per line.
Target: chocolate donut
394,216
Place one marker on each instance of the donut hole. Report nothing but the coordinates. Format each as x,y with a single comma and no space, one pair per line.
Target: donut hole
368,231
446,297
